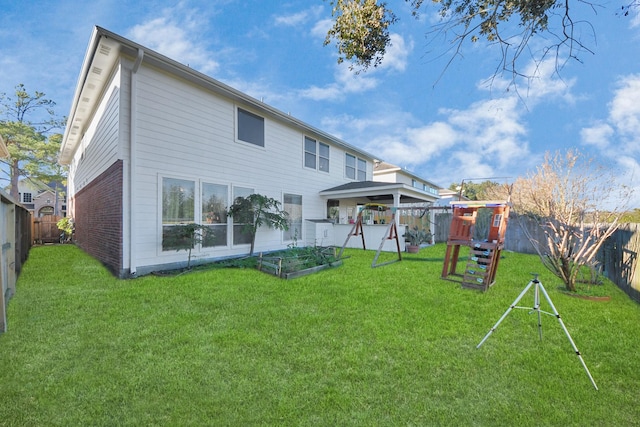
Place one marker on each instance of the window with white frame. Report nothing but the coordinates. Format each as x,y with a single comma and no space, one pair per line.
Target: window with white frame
293,206
27,198
355,168
214,216
350,166
250,128
178,207
310,154
362,170
240,235
316,154
323,157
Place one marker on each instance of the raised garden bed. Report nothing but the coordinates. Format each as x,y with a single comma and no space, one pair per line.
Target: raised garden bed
297,262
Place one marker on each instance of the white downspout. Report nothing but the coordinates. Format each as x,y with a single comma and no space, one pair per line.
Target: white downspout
133,117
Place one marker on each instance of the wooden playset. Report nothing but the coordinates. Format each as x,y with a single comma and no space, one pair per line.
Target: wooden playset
484,255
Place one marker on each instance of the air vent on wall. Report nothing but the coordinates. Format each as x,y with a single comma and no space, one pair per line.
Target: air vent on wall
96,70
103,49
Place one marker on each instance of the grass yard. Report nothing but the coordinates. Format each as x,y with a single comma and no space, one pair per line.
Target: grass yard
395,345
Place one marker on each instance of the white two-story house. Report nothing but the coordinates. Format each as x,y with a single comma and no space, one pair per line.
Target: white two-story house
152,143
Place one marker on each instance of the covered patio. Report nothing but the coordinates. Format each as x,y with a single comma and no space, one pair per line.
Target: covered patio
344,202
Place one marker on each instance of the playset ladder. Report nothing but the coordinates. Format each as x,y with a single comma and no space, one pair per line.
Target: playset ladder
480,272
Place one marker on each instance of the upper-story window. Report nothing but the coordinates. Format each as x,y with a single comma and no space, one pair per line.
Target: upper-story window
355,168
250,128
362,170
316,154
430,189
26,198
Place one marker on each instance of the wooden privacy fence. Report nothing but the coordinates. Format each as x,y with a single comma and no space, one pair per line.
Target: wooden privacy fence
45,230
15,242
619,258
618,255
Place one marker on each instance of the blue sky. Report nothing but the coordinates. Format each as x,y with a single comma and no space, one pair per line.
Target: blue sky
444,125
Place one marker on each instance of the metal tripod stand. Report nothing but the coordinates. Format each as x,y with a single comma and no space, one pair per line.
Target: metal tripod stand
536,308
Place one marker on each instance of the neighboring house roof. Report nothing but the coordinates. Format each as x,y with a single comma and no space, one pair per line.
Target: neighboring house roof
381,192
37,186
448,196
102,54
381,167
4,152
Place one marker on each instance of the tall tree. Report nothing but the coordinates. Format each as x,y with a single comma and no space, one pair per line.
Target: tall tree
475,191
577,205
25,123
361,27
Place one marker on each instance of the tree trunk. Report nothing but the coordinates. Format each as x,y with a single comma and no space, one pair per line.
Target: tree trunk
15,177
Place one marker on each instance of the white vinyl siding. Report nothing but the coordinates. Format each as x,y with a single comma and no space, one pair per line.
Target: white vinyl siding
187,133
99,148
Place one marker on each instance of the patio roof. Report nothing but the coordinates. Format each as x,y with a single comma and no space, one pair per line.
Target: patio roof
380,192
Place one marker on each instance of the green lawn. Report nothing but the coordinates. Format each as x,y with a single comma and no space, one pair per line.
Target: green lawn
394,345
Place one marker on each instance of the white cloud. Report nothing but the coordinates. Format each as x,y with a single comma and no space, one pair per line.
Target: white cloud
598,135
635,20
346,82
625,110
619,134
618,137
396,56
175,34
415,145
298,18
321,28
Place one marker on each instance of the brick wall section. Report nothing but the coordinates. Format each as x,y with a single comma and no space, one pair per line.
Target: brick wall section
98,211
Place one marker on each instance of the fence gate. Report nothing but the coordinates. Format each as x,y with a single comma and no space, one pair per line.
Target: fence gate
45,229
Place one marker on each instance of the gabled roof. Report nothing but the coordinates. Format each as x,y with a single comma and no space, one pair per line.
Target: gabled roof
103,53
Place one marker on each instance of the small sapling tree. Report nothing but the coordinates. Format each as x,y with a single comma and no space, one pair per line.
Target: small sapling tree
66,226
185,237
256,210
